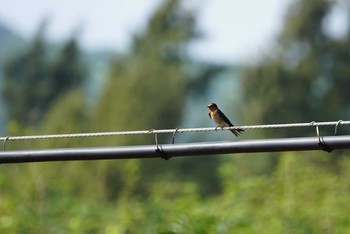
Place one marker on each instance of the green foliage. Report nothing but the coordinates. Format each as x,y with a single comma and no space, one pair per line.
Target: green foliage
300,197
147,88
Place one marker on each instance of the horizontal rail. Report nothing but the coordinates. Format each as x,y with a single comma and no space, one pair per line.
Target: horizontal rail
327,143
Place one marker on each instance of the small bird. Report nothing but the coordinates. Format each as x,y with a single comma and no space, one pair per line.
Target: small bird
221,120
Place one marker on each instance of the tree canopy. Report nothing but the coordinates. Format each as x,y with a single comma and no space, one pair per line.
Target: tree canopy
33,81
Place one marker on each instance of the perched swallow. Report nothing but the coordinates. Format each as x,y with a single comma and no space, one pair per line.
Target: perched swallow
221,120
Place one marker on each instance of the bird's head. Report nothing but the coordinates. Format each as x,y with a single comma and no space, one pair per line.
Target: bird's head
212,106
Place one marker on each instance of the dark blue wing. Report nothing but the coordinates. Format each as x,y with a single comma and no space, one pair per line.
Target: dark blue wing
223,116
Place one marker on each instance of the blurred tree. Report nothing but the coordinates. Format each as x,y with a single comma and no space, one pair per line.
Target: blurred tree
69,197
147,90
22,91
32,81
67,72
306,78
68,114
147,86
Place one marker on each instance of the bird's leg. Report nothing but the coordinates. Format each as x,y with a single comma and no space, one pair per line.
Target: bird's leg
222,128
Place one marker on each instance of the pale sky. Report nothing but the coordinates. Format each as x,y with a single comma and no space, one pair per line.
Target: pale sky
235,30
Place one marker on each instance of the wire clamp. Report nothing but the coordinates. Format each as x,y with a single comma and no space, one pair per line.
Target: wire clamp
159,150
4,144
321,141
174,133
336,127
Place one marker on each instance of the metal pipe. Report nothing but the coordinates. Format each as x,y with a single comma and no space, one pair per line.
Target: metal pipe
166,151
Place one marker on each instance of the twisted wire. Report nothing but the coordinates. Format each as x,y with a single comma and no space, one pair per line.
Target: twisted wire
173,131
